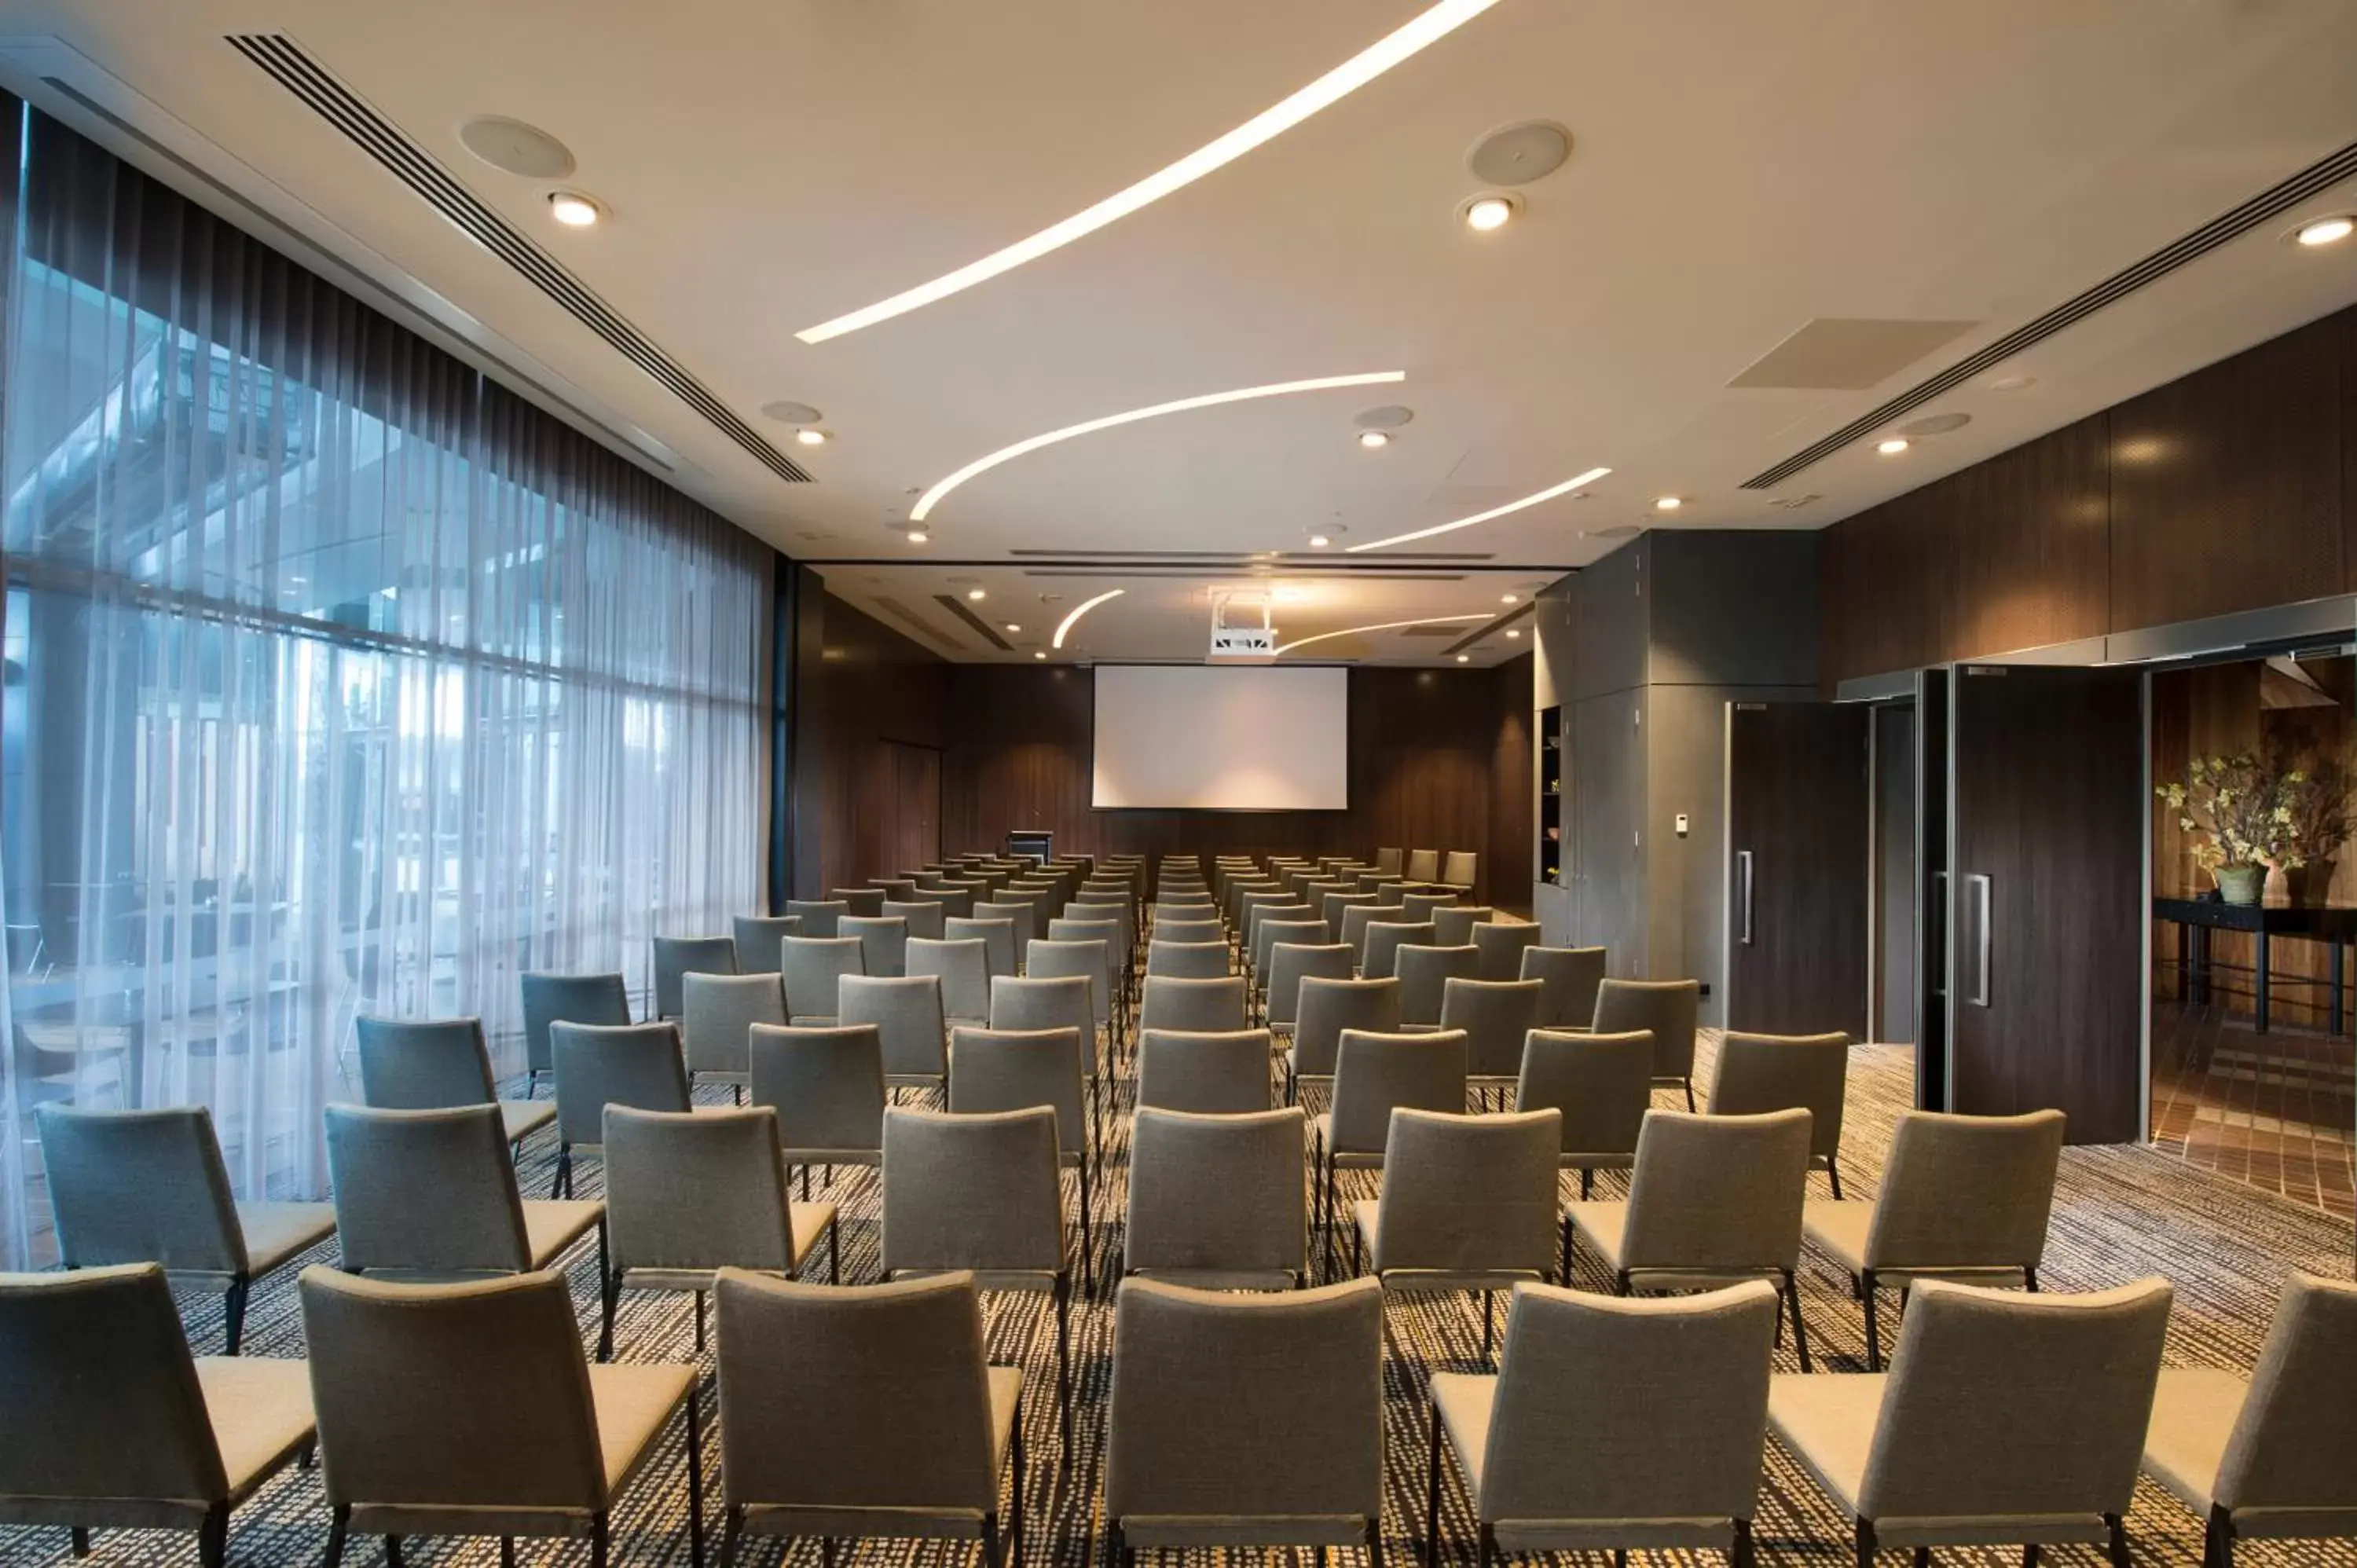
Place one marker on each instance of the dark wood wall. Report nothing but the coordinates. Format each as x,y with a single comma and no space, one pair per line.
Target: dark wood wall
2232,489
864,697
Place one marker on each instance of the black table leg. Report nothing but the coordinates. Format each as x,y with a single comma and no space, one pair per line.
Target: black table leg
2259,983
2196,944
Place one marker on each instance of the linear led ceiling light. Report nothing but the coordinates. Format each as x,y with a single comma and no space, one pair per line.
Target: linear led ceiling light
1548,494
1345,79
1385,625
1082,609
931,498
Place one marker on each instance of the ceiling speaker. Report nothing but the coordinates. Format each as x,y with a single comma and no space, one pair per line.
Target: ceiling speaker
1517,154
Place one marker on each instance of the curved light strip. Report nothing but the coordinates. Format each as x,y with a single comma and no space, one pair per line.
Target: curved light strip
931,498
1082,609
1548,494
1385,625
1344,78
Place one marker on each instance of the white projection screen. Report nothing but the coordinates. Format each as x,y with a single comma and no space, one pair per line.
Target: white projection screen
1199,738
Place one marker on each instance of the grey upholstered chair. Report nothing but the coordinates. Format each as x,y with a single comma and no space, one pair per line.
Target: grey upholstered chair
1502,944
1290,963
1057,1001
1422,866
1571,976
1468,1203
923,918
811,967
676,957
1014,1068
2004,1417
1329,1007
1053,959
1681,1469
1332,908
996,934
717,1013
1287,911
962,966
757,938
1711,1199
953,899
1664,1008
1384,940
1202,1006
2268,1457
469,1410
1021,913
1603,1085
638,1065
1374,1075
911,1026
1424,906
1271,935
1461,869
1389,862
1357,917
1962,1198
423,1064
883,942
1245,1420
568,999
1770,1072
982,1192
818,916
689,1195
865,1412
1215,1200
1453,924
827,1087
866,903
112,1423
1497,1015
1226,1072
902,888
137,1187
1197,958
1423,973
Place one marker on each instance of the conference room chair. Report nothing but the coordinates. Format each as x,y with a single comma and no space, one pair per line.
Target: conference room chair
1238,888
1114,949
1611,1424
136,1186
1424,906
1005,1069
1021,914
1328,1008
1054,958
1571,976
918,918
997,935
1192,960
757,938
1317,889
883,943
1287,911
1389,862
813,969
868,903
1290,963
1253,898
1251,1419
1357,917
1376,1074
1069,1001
1467,1204
1117,908
2003,1418
1602,1085
1203,1006
954,900
1962,1198
1331,906
719,1011
981,1193
1453,924
1664,1008
1502,945
112,1423
469,1410
1384,940
687,1196
1215,1200
1770,1072
1274,923
827,1087
638,1065
911,1026
901,889
818,916
961,964
1422,866
1187,933
1370,880
568,999
424,1064
1711,1199
1226,1072
2268,1456
1424,975
678,957
1496,1016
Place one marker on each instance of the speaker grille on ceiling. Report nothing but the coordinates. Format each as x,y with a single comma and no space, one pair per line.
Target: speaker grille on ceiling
2271,203
286,64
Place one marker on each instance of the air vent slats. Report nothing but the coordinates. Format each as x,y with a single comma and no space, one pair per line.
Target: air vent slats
286,64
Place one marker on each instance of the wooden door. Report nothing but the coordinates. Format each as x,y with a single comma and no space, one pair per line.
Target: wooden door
1797,855
1931,922
912,833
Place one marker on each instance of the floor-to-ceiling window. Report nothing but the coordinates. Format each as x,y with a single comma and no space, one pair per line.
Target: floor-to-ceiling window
338,680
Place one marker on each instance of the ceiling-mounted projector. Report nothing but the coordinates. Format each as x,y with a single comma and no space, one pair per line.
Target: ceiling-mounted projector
1240,632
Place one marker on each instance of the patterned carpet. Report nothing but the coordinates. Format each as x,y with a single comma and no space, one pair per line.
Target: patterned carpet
2120,1213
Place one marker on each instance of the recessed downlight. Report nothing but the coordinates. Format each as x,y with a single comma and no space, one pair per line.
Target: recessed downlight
1668,503
976,594
1483,214
918,536
1509,598
1040,654
1371,439
1012,626
1513,631
1891,445
1464,658
2329,231
810,437
573,209
1318,542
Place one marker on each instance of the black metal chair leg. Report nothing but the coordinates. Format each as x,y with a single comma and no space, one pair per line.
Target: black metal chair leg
1873,1330
1064,1366
1746,1554
834,1249
1865,1543
1432,1497
598,1532
339,1525
2218,1540
393,1551
2030,1555
698,1295
78,1539
732,1530
234,1314
1489,1328
1088,1243
563,1171
1832,1174
1922,1557
2118,1530
695,1462
507,1551
1800,1327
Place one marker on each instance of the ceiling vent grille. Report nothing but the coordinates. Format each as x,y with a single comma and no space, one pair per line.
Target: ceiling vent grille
286,64
2267,205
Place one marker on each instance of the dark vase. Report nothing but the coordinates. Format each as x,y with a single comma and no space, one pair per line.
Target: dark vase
2309,885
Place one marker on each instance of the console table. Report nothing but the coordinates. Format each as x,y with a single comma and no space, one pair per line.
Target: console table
2199,917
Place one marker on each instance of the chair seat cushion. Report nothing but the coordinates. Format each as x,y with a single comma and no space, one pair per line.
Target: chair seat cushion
632,1404
261,1410
1838,1230
1462,1403
1222,1279
1600,1224
551,1225
2193,1411
1321,1127
1828,1422
519,1117
1005,1395
809,1221
277,1231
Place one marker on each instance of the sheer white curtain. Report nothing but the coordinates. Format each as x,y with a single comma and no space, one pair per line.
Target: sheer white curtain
338,680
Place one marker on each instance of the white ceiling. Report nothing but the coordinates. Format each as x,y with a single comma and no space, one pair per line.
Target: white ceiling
1739,170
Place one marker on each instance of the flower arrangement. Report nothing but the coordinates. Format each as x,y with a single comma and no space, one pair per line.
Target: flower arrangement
2248,818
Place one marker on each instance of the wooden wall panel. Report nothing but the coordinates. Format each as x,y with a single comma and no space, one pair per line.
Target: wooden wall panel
863,694
2030,539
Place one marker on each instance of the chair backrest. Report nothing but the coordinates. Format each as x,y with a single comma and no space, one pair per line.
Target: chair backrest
1571,976
953,899
911,1026
961,964
818,916
1201,960
1697,1367
1503,946
1390,861
1423,973
1453,925
638,1065
1049,959
1461,869
757,937
972,1191
2006,1405
1771,1072
679,956
101,1394
865,902
444,1396
1045,1001
1288,908
1290,963
1330,1007
1189,933
1424,906
1008,1069
2291,1445
134,1187
826,1085
1603,1085
1663,1007
1332,906
811,967
717,1009
996,934
901,889
1021,913
1424,865
1357,917
1181,1069
425,1190
1202,1006
1246,1407
568,999
1217,1195
695,1190
420,1064
1965,1191
1718,1191
1384,940
1376,1074
1496,1014
920,917
1469,1194
883,942
1296,929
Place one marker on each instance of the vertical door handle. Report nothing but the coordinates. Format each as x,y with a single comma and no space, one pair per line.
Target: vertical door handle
1743,870
1978,884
